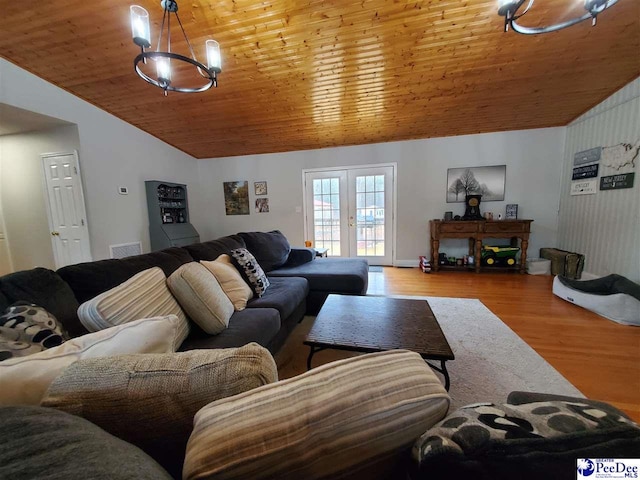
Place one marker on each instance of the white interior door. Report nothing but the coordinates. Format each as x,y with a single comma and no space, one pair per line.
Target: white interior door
6,264
67,214
349,211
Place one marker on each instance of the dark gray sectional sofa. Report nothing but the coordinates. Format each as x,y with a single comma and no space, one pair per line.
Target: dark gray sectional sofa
299,285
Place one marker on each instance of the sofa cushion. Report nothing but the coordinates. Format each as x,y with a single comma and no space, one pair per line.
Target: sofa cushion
334,419
234,286
532,440
124,393
271,249
284,294
259,325
214,248
250,270
332,275
142,296
202,297
39,442
26,328
25,380
47,289
87,280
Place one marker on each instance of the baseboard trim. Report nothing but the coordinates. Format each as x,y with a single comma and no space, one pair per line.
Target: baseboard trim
406,263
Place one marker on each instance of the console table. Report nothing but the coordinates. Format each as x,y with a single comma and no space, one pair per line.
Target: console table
476,231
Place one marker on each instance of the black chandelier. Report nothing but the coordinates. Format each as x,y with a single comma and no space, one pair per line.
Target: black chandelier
162,58
509,8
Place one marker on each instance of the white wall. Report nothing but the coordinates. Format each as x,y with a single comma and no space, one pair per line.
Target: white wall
605,227
112,153
22,194
533,159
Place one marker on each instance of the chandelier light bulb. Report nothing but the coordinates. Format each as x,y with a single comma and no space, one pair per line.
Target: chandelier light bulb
214,61
163,68
140,26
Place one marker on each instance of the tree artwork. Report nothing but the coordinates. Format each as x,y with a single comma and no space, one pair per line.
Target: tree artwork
485,181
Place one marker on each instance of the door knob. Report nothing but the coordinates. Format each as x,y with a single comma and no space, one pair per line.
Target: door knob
55,234
352,224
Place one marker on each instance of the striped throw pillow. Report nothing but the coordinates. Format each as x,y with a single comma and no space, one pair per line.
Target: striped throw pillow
333,420
144,295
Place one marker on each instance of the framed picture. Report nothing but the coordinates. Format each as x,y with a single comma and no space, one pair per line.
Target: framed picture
511,212
262,205
260,188
236,198
485,181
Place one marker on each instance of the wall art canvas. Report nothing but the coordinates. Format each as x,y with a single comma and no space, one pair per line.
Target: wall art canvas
236,198
260,188
262,205
485,181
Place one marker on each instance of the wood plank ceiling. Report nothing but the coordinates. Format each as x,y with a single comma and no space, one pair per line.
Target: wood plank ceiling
320,73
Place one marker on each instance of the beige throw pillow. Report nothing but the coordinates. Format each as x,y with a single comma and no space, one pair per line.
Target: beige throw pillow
128,393
350,415
144,295
25,380
200,294
234,286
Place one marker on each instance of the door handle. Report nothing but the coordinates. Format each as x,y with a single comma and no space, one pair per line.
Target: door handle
55,234
352,224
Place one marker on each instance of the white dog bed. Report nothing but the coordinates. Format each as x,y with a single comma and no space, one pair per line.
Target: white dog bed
614,296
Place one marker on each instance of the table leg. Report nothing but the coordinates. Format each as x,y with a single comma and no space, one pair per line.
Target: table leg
312,352
478,258
524,244
435,247
443,370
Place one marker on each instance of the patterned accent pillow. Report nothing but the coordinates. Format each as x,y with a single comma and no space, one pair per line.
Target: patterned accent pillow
26,328
250,270
499,440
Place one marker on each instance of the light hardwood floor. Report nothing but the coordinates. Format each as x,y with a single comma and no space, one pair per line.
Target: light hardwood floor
600,357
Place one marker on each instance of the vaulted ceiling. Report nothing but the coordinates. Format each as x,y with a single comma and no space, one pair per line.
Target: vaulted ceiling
319,73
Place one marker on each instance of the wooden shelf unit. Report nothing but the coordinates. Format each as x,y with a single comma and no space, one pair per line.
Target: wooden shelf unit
476,231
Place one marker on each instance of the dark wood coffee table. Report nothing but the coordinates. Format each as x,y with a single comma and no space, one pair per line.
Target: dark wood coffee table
374,324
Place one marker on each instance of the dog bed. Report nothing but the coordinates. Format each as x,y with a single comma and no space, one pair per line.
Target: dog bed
614,296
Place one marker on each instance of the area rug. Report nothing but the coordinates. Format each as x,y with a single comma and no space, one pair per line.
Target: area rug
491,360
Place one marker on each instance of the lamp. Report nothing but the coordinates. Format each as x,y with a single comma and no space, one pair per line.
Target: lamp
142,37
509,8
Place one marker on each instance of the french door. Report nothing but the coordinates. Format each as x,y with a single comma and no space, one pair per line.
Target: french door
350,212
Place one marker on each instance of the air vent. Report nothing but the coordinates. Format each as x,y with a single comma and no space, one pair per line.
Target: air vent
125,250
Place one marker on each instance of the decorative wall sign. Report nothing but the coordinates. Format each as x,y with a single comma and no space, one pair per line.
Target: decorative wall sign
485,181
236,198
262,205
616,182
511,211
260,188
587,156
586,187
588,171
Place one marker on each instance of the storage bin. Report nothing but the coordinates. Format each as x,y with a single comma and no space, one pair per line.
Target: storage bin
538,266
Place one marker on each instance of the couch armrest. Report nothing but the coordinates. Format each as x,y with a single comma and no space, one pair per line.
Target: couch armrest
298,256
